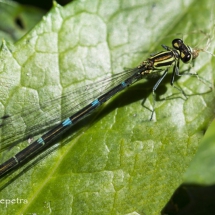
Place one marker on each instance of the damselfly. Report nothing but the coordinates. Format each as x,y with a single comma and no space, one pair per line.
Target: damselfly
156,63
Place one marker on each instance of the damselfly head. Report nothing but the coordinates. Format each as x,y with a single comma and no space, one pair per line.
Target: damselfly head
187,54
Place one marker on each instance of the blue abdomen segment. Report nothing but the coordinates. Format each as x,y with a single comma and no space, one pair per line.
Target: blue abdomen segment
95,103
41,141
67,122
124,84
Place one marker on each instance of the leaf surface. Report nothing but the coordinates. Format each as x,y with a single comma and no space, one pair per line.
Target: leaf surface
117,162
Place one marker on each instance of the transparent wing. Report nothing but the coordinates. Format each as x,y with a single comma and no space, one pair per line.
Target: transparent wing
37,119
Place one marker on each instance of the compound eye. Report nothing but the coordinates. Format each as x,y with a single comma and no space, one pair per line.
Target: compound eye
186,58
176,43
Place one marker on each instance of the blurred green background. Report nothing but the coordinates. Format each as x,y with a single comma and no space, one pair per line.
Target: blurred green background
46,5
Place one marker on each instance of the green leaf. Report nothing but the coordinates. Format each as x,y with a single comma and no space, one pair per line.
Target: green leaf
118,162
201,169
